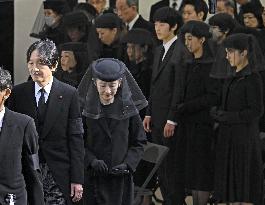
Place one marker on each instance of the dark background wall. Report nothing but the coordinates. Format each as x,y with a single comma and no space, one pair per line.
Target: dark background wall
7,34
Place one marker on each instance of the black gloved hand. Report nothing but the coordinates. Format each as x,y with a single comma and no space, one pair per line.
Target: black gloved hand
120,169
99,166
223,116
213,112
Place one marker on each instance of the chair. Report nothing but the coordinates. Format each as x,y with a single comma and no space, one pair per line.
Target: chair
153,153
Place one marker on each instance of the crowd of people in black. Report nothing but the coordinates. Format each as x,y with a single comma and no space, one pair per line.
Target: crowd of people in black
105,81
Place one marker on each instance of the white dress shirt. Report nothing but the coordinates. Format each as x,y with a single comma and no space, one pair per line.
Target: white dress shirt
47,88
130,25
167,45
2,113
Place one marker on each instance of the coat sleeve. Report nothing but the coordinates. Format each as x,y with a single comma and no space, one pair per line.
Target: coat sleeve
137,140
30,163
209,98
76,142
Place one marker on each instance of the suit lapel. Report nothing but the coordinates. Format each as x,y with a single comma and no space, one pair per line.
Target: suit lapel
31,100
7,129
156,61
54,107
165,61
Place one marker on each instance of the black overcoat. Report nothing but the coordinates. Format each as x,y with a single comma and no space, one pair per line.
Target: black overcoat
61,141
238,175
115,142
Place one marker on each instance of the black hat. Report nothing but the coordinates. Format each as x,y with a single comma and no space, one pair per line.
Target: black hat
75,19
59,6
73,46
168,15
108,69
254,8
138,36
108,20
88,8
223,20
197,28
238,41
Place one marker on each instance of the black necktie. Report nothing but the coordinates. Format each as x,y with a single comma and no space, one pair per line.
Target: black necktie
162,52
41,105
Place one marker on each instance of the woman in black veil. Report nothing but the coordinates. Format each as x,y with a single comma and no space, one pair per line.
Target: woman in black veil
110,100
238,167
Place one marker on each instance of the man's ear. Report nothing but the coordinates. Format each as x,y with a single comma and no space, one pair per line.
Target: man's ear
7,93
200,15
54,67
174,28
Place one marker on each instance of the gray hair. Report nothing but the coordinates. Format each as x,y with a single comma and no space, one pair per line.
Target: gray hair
5,79
132,3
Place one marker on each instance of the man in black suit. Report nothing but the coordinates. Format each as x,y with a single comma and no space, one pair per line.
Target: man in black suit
162,102
127,10
55,109
176,4
20,179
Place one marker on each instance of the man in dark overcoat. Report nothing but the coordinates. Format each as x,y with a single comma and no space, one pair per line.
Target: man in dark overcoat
20,179
55,109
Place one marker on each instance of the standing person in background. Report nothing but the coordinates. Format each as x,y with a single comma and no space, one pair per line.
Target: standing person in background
20,180
194,10
110,30
74,63
110,101
159,119
55,109
200,93
238,167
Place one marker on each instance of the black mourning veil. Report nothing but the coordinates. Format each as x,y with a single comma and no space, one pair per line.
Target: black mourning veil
239,41
128,100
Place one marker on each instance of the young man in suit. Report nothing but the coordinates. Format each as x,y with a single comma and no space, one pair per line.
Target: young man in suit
20,179
159,119
55,109
194,10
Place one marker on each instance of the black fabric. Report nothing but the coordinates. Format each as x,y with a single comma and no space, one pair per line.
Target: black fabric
42,107
128,100
108,20
18,143
138,36
238,156
63,153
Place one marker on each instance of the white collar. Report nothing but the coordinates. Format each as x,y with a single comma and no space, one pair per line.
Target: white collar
47,87
168,44
2,114
130,25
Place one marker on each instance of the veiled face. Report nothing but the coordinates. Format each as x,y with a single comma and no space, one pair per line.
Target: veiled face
68,61
263,16
235,57
134,52
107,90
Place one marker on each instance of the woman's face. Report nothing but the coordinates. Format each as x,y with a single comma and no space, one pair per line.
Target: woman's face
98,4
134,52
250,20
68,61
217,34
107,90
107,35
193,43
74,34
235,57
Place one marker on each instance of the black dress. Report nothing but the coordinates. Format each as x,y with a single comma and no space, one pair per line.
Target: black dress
238,170
196,126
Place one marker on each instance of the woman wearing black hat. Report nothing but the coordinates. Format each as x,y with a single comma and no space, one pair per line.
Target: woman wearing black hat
110,30
238,170
200,92
74,63
111,100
